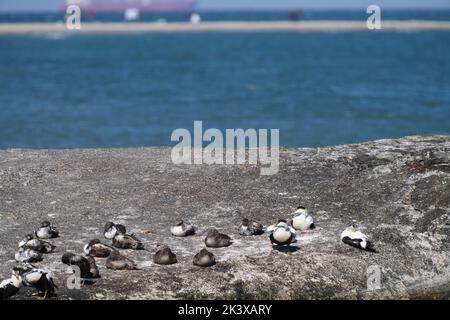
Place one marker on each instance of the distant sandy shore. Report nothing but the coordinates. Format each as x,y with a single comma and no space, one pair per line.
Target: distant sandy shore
323,25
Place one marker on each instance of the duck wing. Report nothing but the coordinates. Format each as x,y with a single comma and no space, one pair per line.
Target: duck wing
100,250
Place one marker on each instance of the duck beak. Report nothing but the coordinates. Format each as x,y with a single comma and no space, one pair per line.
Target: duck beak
22,243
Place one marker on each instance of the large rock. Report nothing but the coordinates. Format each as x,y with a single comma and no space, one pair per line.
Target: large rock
398,191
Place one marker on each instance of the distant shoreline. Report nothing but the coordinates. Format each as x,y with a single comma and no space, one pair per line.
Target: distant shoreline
142,27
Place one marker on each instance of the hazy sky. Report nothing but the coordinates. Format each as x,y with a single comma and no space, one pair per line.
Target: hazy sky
32,5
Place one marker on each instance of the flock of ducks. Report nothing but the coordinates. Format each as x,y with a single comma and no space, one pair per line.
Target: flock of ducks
34,246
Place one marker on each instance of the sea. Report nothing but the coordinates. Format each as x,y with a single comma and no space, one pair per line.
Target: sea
318,88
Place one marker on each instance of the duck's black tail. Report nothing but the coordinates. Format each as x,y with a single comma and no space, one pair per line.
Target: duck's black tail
370,248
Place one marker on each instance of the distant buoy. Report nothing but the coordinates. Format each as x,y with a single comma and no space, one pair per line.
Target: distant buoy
195,18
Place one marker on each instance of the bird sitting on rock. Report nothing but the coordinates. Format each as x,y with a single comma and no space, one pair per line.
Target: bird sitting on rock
164,256
46,231
282,234
204,259
87,267
302,221
117,261
11,286
40,279
28,255
97,249
182,229
357,239
127,241
30,242
120,239
250,228
111,230
214,239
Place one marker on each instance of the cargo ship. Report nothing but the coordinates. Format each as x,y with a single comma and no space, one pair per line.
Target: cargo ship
141,5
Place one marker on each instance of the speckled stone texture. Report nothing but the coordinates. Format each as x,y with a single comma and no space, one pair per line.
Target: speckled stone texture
398,191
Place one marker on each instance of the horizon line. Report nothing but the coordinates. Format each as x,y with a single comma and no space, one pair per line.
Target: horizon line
251,9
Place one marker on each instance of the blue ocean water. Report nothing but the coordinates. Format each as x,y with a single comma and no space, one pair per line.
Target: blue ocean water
59,91
307,14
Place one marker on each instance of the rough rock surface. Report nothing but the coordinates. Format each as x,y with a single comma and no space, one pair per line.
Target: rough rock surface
398,191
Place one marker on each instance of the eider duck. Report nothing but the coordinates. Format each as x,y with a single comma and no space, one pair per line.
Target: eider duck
30,242
11,286
46,231
214,239
356,239
182,229
282,234
164,256
204,259
250,228
117,261
97,249
88,268
302,221
127,241
28,255
111,229
40,279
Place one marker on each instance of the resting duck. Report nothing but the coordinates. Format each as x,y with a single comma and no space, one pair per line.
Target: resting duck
250,228
88,268
214,239
204,259
182,229
127,241
302,221
28,255
11,286
46,231
41,279
164,256
357,239
117,261
111,229
97,249
282,234
30,242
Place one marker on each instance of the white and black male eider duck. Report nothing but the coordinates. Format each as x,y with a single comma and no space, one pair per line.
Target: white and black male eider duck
182,229
204,259
111,229
302,220
30,242
164,256
97,249
28,255
356,239
117,261
282,234
88,268
46,231
120,239
40,279
215,239
250,228
11,286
